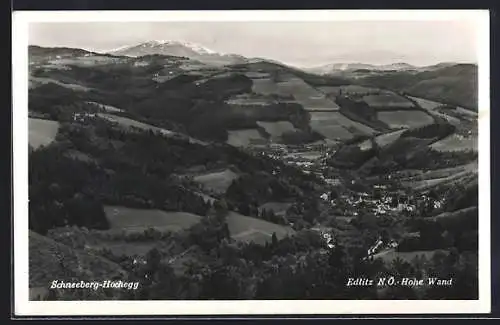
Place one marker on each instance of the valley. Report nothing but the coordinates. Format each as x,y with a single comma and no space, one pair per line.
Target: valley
217,177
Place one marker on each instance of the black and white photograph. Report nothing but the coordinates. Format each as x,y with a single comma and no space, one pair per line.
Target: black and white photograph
233,162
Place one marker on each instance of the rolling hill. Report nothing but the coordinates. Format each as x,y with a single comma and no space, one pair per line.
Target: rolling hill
198,172
454,85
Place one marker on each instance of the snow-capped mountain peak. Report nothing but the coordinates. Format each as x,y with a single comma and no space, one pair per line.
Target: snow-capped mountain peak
180,49
159,43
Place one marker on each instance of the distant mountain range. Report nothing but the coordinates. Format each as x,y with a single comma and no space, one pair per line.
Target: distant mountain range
399,66
445,82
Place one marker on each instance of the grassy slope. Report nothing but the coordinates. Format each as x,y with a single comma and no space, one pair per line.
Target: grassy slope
44,266
41,132
217,181
142,219
241,227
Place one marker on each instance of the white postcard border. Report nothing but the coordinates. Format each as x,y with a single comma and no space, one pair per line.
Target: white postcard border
24,307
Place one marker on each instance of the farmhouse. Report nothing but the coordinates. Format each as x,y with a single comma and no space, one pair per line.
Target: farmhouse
83,117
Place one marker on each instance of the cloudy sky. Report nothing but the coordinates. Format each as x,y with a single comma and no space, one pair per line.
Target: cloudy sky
299,43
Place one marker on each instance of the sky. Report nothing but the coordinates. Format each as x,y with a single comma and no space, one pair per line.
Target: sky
305,43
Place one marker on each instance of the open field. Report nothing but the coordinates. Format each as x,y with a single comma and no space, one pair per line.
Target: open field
107,108
264,86
432,106
41,132
365,145
141,219
336,126
388,138
205,197
405,119
121,247
217,181
466,112
256,236
425,103
243,138
90,60
38,81
387,101
53,66
459,218
456,142
81,156
310,98
277,207
128,122
350,90
276,129
256,75
250,101
430,179
390,255
245,228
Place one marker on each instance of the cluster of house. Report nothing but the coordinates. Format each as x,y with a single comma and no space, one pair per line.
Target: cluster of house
387,203
83,116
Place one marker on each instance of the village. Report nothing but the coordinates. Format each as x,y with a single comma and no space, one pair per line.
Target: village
383,200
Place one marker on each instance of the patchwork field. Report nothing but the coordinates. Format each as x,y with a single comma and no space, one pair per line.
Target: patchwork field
387,101
456,142
246,228
141,219
310,98
350,90
276,129
217,181
41,132
335,126
405,119
243,138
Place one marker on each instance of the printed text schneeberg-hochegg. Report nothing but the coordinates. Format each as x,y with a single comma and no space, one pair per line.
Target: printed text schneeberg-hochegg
106,284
